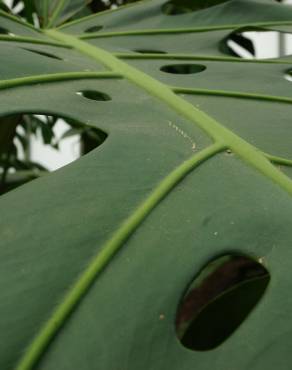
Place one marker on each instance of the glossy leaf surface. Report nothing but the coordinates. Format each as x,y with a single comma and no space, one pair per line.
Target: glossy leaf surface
96,256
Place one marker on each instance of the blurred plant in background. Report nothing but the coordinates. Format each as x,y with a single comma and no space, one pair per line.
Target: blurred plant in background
17,132
34,12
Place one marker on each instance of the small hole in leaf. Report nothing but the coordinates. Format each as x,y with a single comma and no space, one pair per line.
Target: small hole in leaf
43,53
176,7
93,29
4,31
218,300
149,51
94,95
257,44
183,69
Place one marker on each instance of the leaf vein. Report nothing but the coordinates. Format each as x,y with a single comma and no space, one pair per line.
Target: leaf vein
223,139
112,246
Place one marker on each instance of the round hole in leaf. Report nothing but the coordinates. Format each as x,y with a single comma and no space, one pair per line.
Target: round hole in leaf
94,95
183,69
218,300
43,53
93,29
149,51
176,7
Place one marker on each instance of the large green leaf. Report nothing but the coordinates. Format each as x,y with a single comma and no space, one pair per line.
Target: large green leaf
96,256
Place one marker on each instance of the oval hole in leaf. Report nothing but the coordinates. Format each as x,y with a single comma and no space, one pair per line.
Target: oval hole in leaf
183,69
256,44
4,31
176,7
149,51
93,29
94,95
43,53
218,300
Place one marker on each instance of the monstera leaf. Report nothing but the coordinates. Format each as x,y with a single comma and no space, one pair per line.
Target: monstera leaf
196,164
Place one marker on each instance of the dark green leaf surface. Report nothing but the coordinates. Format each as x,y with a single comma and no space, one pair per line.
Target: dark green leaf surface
96,256
54,12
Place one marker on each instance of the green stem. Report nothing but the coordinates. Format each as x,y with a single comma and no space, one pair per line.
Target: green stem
45,19
56,12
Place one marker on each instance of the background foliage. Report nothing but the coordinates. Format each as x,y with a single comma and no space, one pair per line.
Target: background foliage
16,165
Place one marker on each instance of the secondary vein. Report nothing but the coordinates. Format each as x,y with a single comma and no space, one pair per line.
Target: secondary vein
223,139
31,41
32,80
160,31
279,160
171,56
80,288
232,94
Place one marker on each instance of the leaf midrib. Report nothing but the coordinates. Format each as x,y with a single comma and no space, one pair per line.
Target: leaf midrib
222,137
164,93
